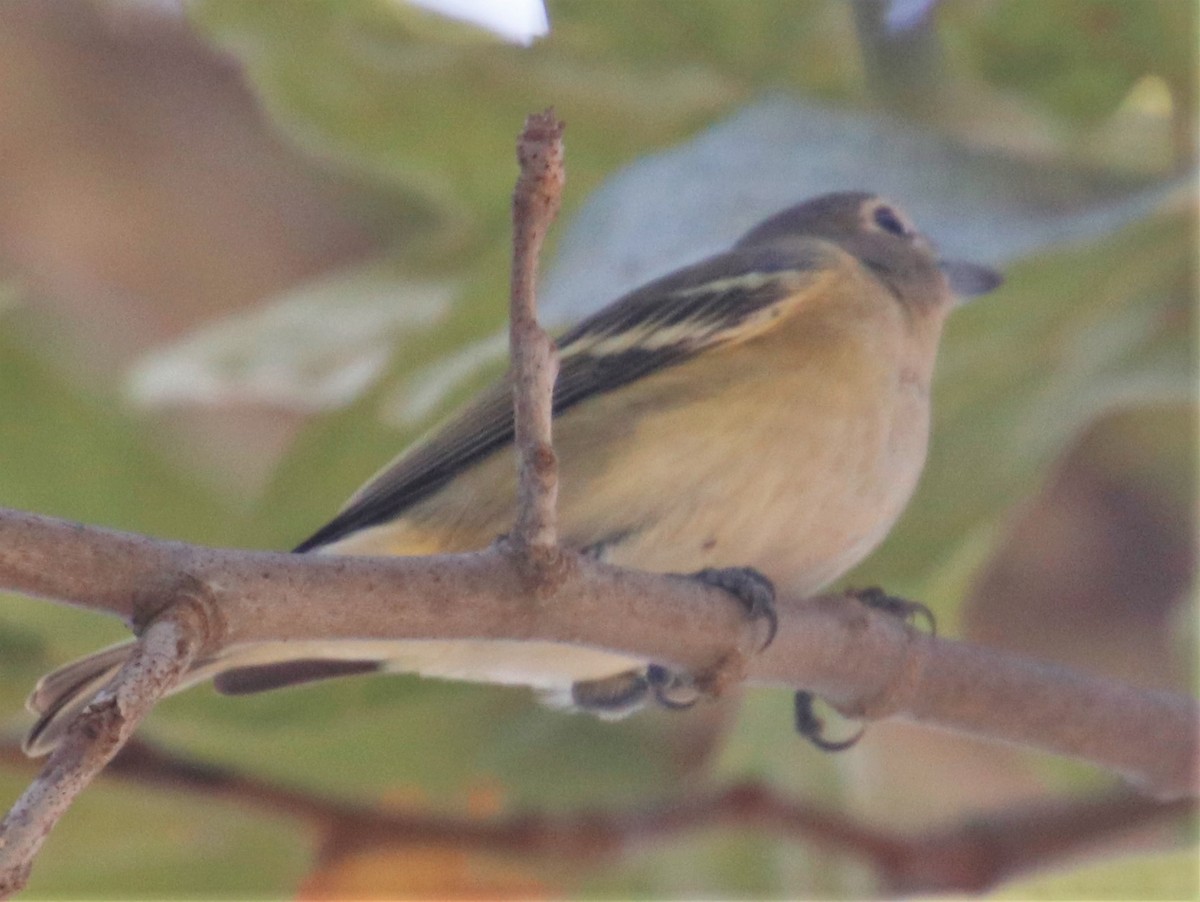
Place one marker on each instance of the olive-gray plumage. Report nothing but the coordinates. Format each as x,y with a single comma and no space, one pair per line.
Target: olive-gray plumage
767,407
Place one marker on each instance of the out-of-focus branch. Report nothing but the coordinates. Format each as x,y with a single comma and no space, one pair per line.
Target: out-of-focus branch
534,358
955,857
159,659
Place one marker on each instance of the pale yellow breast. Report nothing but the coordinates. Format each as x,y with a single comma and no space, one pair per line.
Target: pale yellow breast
798,466
793,453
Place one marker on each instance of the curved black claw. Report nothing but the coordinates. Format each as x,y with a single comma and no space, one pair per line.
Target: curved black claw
674,691
906,610
812,727
754,591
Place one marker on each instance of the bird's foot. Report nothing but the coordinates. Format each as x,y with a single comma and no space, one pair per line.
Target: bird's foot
756,594
671,689
808,723
811,727
753,591
624,693
901,608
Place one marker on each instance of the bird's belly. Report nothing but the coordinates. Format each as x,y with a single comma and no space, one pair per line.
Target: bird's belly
804,512
801,491
540,665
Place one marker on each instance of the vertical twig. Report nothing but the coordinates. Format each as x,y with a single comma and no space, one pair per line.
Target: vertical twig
158,661
534,357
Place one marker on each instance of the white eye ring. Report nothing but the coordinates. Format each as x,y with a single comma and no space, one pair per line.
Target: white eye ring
890,221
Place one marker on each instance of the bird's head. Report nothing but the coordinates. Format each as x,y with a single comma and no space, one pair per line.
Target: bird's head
887,242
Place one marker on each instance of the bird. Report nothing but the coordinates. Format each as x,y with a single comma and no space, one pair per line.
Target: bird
760,418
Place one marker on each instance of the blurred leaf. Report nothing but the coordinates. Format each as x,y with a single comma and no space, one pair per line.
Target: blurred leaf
1080,59
1071,336
350,81
682,204
125,843
1147,876
441,736
69,455
744,864
354,82
316,347
436,872
425,392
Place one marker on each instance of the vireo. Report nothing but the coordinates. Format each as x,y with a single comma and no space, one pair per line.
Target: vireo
766,408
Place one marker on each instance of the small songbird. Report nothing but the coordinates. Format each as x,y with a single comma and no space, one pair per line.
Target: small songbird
767,408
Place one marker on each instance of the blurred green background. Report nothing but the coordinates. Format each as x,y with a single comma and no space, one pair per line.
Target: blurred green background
248,250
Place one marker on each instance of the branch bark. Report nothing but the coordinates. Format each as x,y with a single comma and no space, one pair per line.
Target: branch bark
534,358
866,663
159,660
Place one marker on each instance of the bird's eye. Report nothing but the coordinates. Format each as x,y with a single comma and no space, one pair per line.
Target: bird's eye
888,220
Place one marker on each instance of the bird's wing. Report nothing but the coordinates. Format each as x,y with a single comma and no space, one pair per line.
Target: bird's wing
723,300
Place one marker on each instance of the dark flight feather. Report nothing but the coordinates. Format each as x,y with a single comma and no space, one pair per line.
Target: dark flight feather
656,326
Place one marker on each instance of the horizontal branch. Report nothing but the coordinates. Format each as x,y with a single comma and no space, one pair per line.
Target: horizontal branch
961,856
865,662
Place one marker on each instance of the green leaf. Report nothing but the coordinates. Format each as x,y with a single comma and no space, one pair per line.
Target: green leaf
1170,875
70,455
1081,59
1070,337
123,842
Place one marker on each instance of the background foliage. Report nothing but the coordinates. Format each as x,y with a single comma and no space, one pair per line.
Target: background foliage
251,251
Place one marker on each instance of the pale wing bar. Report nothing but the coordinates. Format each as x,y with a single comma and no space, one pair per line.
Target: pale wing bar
657,326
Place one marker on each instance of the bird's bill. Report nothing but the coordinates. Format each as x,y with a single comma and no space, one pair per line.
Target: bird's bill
968,280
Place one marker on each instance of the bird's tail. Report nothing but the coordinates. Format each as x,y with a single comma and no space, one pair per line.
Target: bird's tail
61,695
576,677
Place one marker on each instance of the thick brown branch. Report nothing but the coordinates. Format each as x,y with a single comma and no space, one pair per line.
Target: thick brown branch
863,661
534,358
158,661
115,572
